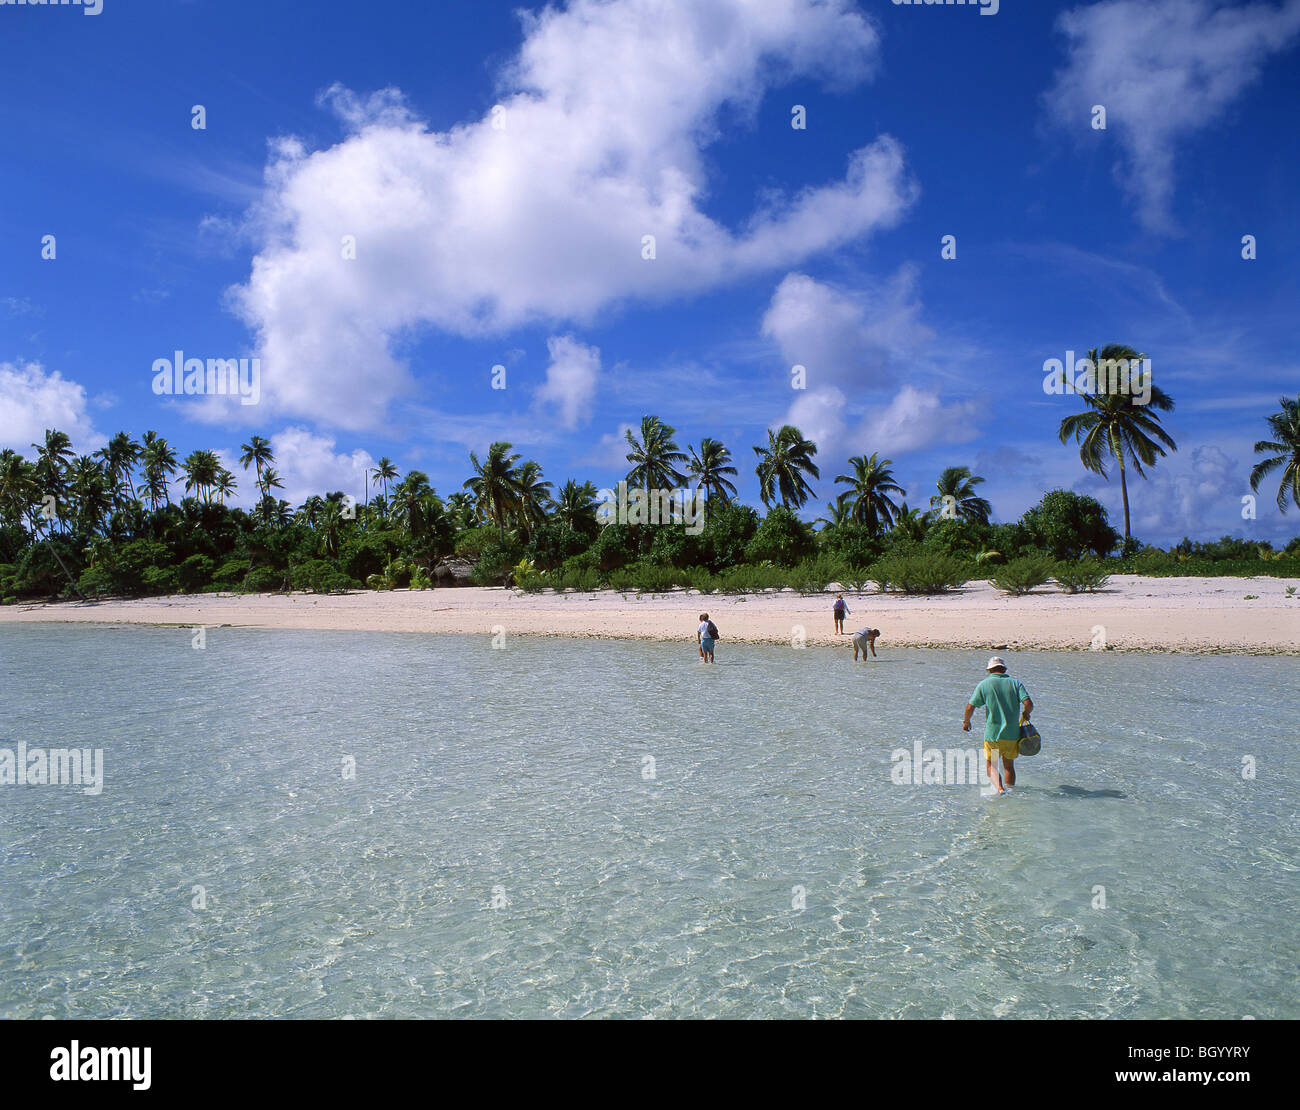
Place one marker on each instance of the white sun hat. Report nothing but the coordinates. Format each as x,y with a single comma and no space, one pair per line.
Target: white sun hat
996,661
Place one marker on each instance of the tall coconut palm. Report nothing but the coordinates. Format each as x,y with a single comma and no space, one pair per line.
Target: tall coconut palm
385,471
576,507
1116,425
868,496
710,469
53,458
257,452
1285,428
119,457
782,465
201,472
92,494
956,487
224,485
911,524
460,509
158,461
654,457
495,484
19,495
17,487
838,514
531,497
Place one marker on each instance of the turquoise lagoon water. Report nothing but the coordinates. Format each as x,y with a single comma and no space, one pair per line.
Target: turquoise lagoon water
503,851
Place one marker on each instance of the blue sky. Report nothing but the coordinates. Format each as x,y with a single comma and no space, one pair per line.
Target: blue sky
514,237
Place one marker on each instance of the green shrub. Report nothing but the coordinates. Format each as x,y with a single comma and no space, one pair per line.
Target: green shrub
264,580
527,577
319,577
1068,525
814,575
160,580
1022,575
704,581
856,578
194,573
782,539
615,547
472,541
96,582
363,556
728,528
230,574
920,574
495,564
1082,577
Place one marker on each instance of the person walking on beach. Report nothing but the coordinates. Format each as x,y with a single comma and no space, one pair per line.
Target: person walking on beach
841,611
864,639
1006,703
706,635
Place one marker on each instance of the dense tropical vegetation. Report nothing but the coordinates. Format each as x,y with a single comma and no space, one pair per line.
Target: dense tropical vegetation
108,524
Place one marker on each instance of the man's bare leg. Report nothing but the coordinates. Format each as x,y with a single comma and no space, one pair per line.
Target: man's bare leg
1009,771
994,776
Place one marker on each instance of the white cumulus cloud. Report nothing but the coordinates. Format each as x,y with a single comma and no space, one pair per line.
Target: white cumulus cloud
570,386
1163,69
33,399
538,211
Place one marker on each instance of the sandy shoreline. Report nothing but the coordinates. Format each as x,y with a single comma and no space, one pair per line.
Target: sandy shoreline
1133,614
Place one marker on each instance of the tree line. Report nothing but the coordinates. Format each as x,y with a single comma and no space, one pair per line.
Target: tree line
107,523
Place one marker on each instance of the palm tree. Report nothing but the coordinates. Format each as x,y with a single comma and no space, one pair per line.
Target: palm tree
120,457
710,469
956,487
576,507
224,485
91,493
17,487
782,465
257,451
532,495
385,472
202,469
53,458
495,483
868,495
1116,425
1285,426
654,457
328,523
911,524
159,462
460,509
838,514
20,494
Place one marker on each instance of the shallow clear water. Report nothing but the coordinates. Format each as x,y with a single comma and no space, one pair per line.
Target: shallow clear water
500,851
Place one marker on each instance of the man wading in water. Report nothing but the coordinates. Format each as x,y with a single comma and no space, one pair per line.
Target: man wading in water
1002,697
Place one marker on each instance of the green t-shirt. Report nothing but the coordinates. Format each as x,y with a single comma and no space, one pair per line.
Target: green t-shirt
1001,695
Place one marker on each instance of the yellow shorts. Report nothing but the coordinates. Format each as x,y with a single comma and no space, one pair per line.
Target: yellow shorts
1007,749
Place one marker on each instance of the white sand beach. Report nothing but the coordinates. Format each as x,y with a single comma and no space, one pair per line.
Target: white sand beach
1131,614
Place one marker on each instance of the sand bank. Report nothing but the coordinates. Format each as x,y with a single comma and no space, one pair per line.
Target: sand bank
1132,614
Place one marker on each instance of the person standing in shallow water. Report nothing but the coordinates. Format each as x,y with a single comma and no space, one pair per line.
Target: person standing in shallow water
841,611
1006,703
706,635
864,640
